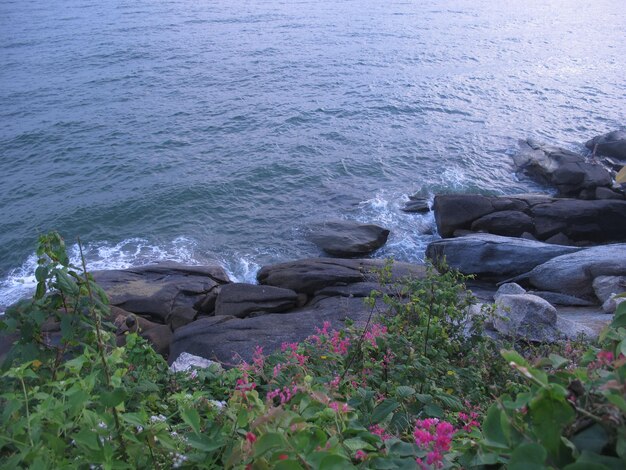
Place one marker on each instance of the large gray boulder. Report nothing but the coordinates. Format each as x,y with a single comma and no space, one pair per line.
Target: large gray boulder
347,239
569,172
311,275
240,300
230,341
612,144
574,273
458,211
526,316
542,217
164,292
492,256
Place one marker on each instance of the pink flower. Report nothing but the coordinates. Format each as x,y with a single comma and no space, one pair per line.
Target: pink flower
375,331
436,437
360,455
380,432
285,394
339,407
605,357
250,437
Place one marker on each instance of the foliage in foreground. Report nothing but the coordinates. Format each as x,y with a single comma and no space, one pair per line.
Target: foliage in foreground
407,391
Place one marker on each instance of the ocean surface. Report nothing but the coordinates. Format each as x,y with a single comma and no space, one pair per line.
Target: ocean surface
220,130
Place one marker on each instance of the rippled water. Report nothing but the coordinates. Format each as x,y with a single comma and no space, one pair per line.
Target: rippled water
198,130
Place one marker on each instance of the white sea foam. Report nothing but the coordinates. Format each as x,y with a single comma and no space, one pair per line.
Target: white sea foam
20,282
410,232
241,269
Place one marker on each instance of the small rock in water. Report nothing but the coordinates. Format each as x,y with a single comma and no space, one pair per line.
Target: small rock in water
612,144
419,205
346,238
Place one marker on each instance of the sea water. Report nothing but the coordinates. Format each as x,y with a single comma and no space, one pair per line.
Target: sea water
199,130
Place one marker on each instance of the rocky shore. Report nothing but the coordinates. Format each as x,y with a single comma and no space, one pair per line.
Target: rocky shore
551,264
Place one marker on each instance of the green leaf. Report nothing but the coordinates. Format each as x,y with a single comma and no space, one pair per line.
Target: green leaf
287,465
396,447
66,284
334,462
493,430
267,442
528,456
450,402
204,443
114,398
356,443
550,413
404,391
136,419
192,418
434,411
593,439
88,439
557,361
383,410
41,273
619,318
513,356
585,466
611,463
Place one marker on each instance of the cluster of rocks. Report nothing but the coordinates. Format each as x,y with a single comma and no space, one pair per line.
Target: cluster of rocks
199,311
544,243
557,260
565,250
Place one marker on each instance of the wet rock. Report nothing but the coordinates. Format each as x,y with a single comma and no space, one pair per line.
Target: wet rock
235,340
574,221
566,170
612,144
561,299
240,300
506,223
420,205
607,193
574,273
311,275
164,292
493,256
346,238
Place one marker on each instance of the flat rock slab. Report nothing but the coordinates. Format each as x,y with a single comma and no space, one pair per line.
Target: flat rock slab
542,217
230,341
612,144
164,292
240,300
574,273
492,256
347,238
311,275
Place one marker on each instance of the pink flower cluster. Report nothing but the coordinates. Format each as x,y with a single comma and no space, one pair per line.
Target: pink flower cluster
380,432
375,331
339,407
285,394
244,384
436,437
469,421
338,344
292,348
603,359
